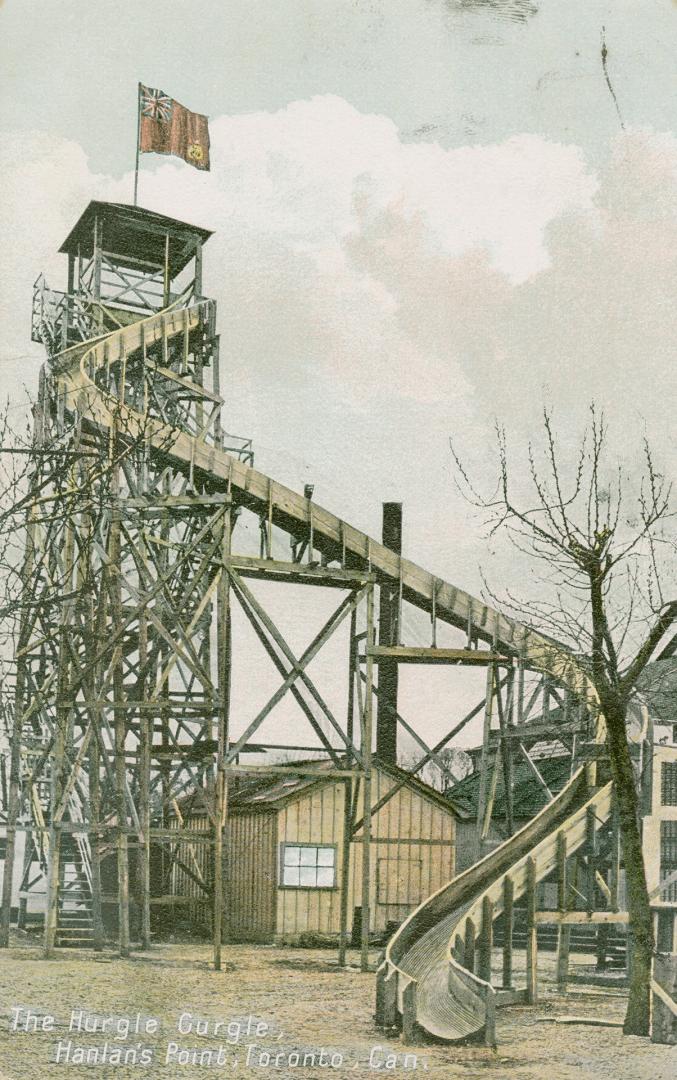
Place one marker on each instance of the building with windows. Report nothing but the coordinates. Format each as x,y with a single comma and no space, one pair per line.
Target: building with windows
295,846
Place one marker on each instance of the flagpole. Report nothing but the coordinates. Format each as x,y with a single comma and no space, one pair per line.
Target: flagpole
138,140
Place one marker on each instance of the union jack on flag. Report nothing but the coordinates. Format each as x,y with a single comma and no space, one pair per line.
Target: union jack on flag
156,104
168,127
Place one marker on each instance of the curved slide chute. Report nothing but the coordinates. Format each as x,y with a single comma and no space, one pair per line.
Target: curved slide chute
451,1001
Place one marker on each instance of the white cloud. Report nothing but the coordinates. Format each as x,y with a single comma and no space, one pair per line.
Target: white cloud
375,295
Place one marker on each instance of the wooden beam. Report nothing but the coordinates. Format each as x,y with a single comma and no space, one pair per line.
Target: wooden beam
409,654
532,942
486,940
563,944
469,945
366,751
484,761
579,918
348,803
299,573
508,929
223,649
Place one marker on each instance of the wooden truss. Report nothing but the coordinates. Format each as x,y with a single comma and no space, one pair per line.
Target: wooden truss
135,556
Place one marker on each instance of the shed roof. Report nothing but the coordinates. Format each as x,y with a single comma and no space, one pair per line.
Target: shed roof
273,791
528,795
269,790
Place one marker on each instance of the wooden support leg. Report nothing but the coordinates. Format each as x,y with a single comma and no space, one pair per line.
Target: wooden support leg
532,941
10,844
409,1028
345,870
223,683
469,946
602,946
591,864
490,1022
95,841
348,789
615,870
366,755
379,1008
486,940
562,882
508,929
146,739
120,729
53,877
8,879
23,901
390,1000
563,942
484,763
14,795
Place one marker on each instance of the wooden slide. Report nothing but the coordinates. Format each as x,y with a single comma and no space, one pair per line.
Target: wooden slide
424,968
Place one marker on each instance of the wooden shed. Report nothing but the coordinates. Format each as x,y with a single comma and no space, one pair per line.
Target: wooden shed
285,854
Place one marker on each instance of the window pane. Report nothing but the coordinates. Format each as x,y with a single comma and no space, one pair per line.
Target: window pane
291,875
292,856
325,876
669,783
308,875
308,856
325,856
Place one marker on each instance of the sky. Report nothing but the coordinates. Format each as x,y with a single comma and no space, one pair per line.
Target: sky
426,214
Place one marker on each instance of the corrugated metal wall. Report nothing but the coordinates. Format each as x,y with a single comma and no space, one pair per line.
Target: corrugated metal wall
251,875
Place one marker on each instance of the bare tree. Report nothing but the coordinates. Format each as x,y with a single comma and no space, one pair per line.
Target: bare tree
457,764
597,542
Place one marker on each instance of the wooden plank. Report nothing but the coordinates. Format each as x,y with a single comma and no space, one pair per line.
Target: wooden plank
409,1027
579,918
348,801
562,883
508,929
366,751
591,849
563,944
223,649
469,945
484,761
490,1017
291,770
300,573
532,942
486,940
407,654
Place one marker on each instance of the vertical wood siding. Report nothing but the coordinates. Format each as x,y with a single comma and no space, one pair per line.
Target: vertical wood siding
412,855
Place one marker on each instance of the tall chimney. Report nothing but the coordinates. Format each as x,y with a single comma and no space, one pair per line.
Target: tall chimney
388,634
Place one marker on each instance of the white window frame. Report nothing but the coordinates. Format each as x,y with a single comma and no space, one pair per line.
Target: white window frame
291,846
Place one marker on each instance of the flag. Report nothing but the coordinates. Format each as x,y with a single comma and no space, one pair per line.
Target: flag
166,127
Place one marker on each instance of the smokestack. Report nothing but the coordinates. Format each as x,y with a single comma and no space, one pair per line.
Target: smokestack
388,634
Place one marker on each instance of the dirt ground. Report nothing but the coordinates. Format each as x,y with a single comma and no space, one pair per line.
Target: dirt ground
308,1006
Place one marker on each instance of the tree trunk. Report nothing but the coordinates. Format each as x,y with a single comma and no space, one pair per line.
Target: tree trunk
641,941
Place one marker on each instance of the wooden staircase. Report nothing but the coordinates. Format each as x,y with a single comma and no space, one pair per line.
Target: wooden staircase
75,923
